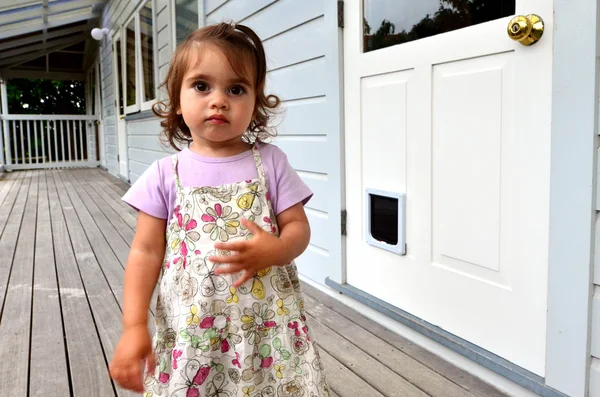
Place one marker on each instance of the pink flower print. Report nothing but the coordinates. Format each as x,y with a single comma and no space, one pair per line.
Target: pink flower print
269,224
220,222
163,377
224,346
184,236
207,322
176,355
266,362
236,360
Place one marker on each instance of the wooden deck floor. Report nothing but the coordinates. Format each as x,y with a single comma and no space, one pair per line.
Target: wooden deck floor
64,241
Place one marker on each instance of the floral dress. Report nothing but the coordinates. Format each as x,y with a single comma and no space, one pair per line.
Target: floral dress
214,340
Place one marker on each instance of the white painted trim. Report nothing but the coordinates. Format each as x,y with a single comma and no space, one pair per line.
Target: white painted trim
41,74
41,46
4,111
50,9
34,166
29,28
335,96
427,343
43,36
574,127
201,14
46,117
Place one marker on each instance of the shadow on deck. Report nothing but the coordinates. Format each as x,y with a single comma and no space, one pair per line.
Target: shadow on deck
64,243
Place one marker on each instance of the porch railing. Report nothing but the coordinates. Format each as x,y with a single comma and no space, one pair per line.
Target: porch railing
50,141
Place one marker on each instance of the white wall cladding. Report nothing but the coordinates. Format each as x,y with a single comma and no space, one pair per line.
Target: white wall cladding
302,46
140,157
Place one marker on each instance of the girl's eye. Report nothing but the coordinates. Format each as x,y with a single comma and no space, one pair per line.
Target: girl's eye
237,90
202,87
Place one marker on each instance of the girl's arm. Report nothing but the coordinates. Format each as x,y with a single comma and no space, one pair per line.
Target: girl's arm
143,266
141,274
294,232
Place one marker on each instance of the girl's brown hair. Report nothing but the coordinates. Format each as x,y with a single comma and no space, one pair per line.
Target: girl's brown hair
246,55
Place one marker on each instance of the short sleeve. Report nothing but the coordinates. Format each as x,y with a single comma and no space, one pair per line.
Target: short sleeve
290,188
147,193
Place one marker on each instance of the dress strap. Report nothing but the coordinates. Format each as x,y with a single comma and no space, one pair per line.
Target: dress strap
177,180
259,167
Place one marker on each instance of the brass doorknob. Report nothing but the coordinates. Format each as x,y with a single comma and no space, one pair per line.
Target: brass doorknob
527,30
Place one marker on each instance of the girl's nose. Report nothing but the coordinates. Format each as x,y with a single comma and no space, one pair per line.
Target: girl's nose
219,100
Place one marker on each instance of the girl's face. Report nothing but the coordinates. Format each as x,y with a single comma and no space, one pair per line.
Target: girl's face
216,104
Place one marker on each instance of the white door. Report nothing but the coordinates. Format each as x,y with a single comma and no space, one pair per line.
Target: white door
118,56
459,123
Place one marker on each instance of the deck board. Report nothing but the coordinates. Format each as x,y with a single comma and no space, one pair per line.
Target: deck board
46,347
429,361
16,314
65,237
87,363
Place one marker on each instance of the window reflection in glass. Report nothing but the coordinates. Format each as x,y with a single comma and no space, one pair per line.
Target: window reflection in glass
130,63
391,22
147,43
186,18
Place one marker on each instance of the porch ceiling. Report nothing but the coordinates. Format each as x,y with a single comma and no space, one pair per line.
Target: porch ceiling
47,38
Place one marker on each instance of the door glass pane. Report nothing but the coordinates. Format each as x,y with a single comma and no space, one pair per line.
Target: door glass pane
186,18
147,50
390,22
130,63
120,75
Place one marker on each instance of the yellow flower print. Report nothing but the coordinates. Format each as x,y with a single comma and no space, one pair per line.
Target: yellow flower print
279,369
247,390
281,309
233,297
193,320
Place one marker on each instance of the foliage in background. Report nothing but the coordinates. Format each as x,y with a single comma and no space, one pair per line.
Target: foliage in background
45,96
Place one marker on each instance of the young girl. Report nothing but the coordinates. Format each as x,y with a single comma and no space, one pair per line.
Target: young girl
230,314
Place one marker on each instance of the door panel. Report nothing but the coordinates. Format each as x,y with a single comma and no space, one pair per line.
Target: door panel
458,120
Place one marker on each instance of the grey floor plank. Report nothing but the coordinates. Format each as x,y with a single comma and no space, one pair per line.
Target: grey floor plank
344,382
380,377
81,199
105,309
6,182
458,376
88,366
112,265
117,185
127,216
403,365
95,203
16,315
11,214
111,190
47,342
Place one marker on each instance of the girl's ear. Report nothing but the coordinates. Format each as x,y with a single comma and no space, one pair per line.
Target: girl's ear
178,112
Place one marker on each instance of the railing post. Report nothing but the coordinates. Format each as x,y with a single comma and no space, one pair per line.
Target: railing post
5,155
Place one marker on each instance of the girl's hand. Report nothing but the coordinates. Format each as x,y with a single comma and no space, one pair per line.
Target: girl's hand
133,350
251,256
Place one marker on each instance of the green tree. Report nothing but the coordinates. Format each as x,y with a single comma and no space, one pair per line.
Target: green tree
45,96
450,15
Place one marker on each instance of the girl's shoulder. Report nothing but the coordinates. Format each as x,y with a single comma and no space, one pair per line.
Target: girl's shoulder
271,153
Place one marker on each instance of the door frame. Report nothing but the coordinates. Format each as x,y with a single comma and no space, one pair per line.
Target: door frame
572,196
573,185
120,118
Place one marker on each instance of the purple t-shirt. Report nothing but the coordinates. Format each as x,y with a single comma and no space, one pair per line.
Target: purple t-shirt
155,194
